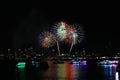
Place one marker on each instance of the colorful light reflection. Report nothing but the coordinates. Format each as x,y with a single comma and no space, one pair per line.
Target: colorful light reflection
117,76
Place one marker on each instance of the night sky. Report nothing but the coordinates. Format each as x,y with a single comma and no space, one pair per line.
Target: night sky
22,23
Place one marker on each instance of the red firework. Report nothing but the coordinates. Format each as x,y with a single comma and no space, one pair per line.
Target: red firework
69,34
74,34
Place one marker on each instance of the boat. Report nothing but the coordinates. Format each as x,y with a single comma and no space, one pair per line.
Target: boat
107,62
32,64
74,61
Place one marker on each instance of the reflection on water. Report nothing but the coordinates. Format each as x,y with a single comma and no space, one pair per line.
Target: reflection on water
117,76
67,71
108,71
21,74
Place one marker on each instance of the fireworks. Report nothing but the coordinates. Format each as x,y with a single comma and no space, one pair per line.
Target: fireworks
71,34
75,34
60,30
47,39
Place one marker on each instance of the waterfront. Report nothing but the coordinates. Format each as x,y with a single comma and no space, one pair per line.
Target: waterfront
61,71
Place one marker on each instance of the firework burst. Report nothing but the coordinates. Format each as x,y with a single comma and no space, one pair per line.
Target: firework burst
47,39
74,35
60,30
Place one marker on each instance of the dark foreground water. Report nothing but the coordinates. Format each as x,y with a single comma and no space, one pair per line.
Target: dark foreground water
65,71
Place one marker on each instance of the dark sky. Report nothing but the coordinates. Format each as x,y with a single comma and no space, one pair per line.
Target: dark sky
22,23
